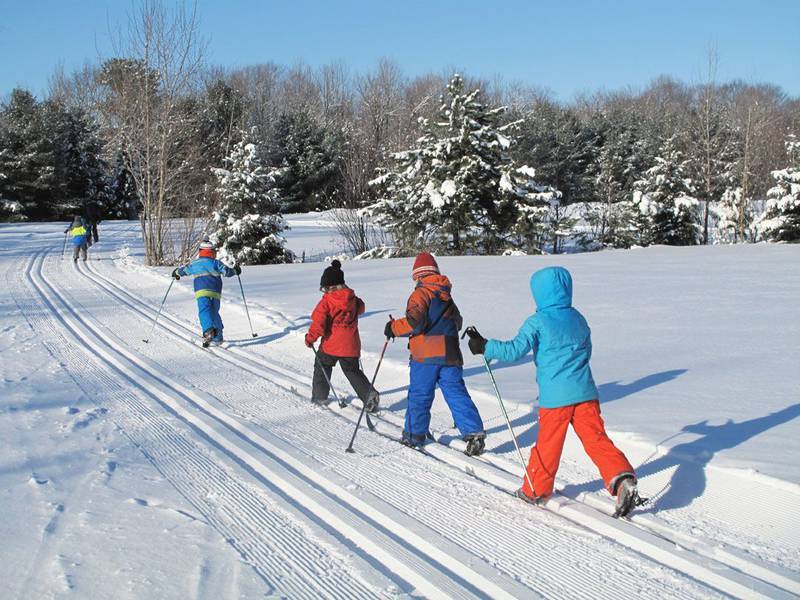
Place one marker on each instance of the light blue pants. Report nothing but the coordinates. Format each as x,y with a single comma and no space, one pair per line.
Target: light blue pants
208,311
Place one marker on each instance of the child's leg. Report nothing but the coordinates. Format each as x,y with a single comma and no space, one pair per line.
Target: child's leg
205,312
465,413
215,304
605,455
75,253
546,453
420,398
355,376
323,366
83,251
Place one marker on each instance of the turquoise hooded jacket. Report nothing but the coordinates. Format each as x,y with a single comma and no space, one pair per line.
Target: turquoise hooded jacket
560,340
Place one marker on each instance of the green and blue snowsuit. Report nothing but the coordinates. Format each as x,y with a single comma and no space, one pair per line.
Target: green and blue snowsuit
207,274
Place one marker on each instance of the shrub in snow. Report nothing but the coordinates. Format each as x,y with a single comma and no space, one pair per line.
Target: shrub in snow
247,227
11,211
459,190
379,252
781,222
667,210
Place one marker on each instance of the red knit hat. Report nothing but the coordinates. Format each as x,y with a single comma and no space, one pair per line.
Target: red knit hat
424,264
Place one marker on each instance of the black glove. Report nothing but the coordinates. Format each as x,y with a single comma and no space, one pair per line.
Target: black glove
477,343
387,331
237,269
176,275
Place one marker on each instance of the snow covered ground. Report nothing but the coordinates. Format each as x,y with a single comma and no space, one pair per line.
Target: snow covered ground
160,469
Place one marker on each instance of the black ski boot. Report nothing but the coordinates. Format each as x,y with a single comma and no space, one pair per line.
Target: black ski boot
535,500
373,401
627,494
208,335
476,442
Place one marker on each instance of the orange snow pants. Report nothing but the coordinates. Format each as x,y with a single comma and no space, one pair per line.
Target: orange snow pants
588,425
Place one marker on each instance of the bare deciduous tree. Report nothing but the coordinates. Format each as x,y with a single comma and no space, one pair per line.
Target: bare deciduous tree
146,112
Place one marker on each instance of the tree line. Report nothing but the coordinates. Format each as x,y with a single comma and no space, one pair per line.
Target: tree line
451,163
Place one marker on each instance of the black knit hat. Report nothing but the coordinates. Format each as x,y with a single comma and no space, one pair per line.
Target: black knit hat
332,275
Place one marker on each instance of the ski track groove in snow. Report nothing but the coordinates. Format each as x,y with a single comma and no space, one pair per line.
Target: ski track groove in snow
254,412
494,527
522,570
268,539
462,578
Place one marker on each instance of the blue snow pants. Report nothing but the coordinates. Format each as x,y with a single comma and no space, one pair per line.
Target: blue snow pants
208,311
450,378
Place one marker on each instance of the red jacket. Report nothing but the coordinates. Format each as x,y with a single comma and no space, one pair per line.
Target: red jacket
335,320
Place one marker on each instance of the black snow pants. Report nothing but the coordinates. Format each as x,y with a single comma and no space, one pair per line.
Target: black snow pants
324,366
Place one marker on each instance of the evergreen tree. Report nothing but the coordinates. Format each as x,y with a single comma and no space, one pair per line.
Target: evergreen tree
80,172
781,221
27,157
248,225
304,157
617,160
667,209
123,201
459,189
562,148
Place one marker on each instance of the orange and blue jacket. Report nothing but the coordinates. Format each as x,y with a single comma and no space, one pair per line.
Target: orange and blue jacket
432,323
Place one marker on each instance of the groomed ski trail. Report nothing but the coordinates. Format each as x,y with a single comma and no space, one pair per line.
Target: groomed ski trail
716,566
431,567
279,547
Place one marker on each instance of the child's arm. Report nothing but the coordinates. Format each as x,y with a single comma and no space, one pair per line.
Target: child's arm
319,322
360,306
515,349
224,269
416,315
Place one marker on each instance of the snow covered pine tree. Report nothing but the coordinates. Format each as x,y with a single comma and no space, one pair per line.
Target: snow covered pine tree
247,227
781,221
459,190
667,209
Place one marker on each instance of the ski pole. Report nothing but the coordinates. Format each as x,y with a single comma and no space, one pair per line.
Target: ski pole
364,407
147,339
342,403
64,249
469,331
241,287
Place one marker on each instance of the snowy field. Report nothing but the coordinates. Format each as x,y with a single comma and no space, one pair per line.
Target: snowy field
163,470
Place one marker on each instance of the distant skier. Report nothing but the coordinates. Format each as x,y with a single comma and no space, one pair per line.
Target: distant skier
335,320
91,213
560,340
207,272
432,323
79,238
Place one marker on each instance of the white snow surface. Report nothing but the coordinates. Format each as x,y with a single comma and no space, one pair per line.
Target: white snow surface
160,469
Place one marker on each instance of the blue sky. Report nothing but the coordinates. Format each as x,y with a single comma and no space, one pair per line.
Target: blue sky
567,46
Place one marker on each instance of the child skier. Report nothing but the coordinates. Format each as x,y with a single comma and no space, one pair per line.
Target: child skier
432,323
335,320
207,272
79,239
561,343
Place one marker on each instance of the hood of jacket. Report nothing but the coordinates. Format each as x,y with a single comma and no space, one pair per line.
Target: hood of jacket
343,297
552,288
439,284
